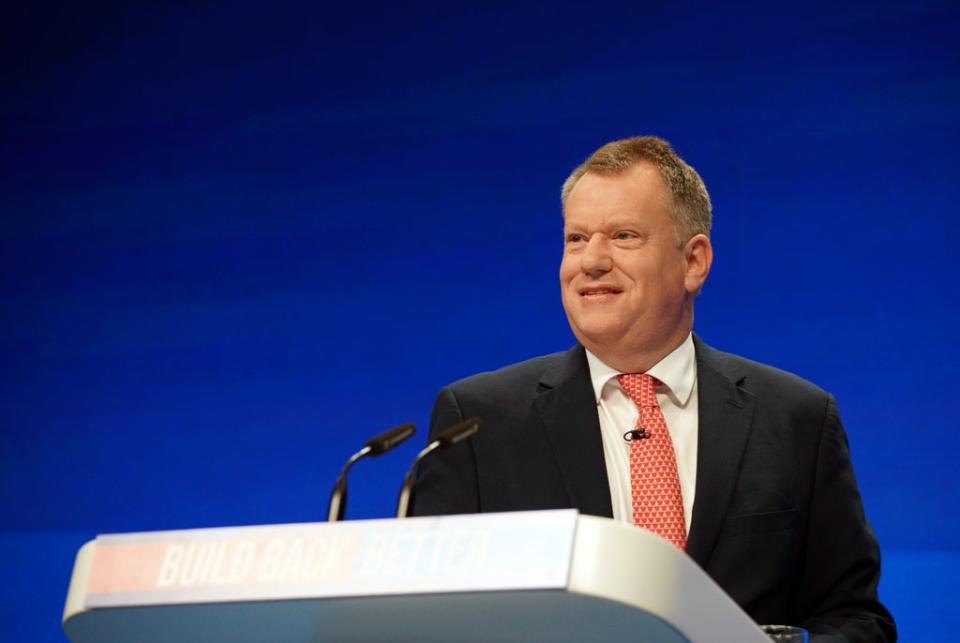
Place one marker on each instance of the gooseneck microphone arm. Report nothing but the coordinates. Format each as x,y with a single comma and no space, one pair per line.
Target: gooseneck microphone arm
375,446
456,433
338,498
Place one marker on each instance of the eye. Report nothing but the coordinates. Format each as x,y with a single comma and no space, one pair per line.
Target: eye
624,235
575,237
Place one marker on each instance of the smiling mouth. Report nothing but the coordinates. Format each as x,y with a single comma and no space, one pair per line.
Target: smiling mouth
599,292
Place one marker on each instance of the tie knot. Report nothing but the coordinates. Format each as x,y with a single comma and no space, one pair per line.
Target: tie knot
639,387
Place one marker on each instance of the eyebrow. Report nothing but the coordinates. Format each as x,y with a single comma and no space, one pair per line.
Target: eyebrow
614,224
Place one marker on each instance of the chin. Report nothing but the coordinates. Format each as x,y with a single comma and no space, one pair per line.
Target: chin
598,334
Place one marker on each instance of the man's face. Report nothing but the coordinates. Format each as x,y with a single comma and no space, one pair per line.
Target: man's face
624,282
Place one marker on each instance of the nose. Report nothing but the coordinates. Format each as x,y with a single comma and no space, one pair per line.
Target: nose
596,260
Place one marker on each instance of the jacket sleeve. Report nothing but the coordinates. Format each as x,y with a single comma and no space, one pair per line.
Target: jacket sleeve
447,480
838,584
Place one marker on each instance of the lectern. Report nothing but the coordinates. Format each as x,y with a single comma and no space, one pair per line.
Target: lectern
523,576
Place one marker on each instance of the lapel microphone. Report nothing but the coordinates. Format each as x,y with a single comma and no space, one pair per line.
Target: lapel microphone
638,433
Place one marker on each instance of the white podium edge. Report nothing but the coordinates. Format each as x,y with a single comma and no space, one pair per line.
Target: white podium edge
608,560
78,582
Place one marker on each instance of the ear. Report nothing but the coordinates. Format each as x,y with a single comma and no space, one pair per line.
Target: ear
698,257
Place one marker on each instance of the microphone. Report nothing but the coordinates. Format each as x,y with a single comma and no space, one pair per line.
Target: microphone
456,433
638,433
375,446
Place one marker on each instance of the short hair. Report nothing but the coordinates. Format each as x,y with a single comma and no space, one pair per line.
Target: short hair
689,201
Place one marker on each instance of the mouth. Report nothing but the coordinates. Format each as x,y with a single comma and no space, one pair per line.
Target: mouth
597,291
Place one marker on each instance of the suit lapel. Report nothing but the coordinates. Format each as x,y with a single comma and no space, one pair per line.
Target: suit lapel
725,416
568,410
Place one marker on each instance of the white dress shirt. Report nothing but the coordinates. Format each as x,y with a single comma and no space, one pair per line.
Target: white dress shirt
677,396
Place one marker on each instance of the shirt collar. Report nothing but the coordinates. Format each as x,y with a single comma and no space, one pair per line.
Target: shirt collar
677,371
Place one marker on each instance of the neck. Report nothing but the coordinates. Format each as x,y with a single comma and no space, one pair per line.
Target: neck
635,362
641,358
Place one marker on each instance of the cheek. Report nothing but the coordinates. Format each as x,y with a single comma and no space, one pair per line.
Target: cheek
567,270
653,271
640,270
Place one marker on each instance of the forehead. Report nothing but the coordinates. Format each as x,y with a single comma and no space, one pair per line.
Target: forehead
636,193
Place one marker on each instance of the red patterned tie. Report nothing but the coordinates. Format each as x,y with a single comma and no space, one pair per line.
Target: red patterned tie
657,501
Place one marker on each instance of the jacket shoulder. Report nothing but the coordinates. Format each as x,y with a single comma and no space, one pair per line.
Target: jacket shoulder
511,378
760,378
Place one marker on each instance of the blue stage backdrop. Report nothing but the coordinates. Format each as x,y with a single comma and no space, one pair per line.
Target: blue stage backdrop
238,238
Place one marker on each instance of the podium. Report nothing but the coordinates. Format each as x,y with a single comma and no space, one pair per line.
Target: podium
523,576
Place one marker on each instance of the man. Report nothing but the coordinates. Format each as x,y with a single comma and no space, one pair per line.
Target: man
751,468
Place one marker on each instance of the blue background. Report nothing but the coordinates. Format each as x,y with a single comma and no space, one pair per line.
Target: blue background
236,239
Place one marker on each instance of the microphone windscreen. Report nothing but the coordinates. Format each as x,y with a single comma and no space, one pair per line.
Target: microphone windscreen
458,432
390,438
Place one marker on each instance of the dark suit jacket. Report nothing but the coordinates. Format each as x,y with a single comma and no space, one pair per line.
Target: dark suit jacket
777,517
